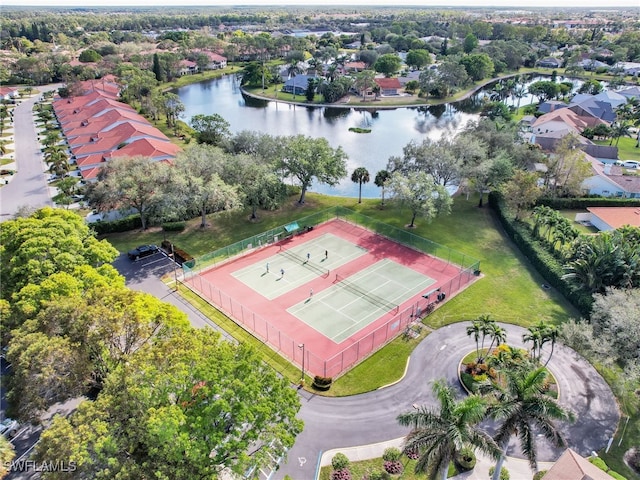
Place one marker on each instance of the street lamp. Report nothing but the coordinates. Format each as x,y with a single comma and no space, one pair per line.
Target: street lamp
301,346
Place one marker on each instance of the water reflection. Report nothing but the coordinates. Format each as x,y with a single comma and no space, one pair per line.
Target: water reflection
391,129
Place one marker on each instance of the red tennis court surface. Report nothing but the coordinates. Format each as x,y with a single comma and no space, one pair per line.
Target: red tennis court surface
237,288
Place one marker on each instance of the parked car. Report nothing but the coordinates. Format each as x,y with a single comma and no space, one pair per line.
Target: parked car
629,163
9,428
142,251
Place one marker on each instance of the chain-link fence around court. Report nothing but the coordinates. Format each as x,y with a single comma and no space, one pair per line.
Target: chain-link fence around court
342,361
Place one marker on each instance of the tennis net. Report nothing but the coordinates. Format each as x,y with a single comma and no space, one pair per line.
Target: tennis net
306,263
370,297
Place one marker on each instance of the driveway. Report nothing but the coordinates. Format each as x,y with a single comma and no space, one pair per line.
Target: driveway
28,187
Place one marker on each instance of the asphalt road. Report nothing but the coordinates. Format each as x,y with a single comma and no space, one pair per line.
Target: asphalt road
371,417
28,187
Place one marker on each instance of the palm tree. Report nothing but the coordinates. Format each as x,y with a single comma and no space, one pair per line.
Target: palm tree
382,177
360,175
475,329
438,434
521,405
550,335
497,333
534,336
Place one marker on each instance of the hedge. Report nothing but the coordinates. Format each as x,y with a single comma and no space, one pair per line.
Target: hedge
583,202
174,226
543,261
121,225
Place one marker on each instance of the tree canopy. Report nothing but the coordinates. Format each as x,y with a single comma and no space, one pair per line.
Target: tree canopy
181,407
307,158
47,242
421,194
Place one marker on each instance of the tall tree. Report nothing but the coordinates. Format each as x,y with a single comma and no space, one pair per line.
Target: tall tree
183,407
364,82
211,129
490,173
128,183
307,158
388,64
382,177
439,433
521,192
360,175
421,194
197,184
258,184
157,69
521,405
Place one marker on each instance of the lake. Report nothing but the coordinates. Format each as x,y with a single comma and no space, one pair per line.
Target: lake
391,130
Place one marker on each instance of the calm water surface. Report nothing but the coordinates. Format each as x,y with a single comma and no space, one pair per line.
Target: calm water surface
391,130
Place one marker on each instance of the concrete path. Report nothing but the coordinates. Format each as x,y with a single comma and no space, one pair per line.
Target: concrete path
28,187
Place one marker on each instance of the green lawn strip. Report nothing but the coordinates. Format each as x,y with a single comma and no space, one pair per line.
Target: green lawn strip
626,147
384,367
363,468
226,228
629,402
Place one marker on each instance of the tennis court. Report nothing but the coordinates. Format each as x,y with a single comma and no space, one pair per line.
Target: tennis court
346,290
352,303
300,263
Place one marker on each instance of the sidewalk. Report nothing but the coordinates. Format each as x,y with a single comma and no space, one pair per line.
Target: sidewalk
518,468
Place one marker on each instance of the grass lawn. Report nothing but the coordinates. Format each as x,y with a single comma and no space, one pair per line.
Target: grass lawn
571,215
626,148
365,467
509,289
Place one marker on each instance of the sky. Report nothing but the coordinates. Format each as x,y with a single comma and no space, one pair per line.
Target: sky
426,3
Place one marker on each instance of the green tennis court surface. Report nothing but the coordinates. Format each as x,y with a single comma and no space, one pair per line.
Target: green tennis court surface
343,309
298,270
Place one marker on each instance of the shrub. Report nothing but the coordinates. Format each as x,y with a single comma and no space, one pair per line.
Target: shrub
393,467
504,473
121,225
392,454
340,461
174,226
412,454
342,474
584,202
539,475
598,462
377,475
322,383
465,460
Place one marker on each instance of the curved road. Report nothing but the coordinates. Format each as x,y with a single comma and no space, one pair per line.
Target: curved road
370,418
28,187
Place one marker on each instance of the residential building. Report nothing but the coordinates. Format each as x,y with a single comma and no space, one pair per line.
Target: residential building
388,86
571,466
609,180
612,218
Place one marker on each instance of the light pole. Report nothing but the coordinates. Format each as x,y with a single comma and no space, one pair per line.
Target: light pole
175,267
301,346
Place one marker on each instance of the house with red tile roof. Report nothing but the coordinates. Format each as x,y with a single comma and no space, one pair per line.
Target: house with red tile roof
8,93
216,61
187,67
99,128
611,218
388,86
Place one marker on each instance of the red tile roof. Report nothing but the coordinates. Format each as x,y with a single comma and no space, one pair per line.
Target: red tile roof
147,147
617,217
571,466
93,125
111,139
388,83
